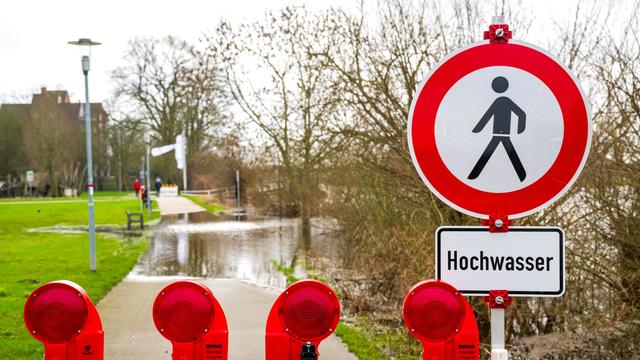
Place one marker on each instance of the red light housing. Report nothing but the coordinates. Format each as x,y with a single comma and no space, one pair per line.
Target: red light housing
55,313
441,318
183,312
434,311
61,316
187,314
307,312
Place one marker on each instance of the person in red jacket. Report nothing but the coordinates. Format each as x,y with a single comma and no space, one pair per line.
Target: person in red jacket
136,186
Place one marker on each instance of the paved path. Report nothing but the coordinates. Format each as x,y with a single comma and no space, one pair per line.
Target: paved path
130,333
177,205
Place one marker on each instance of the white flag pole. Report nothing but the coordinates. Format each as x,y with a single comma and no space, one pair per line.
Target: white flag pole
184,162
180,148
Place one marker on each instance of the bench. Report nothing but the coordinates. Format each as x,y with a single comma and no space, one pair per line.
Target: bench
134,218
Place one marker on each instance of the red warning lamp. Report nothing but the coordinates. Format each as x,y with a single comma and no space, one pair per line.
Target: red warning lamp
306,313
187,314
60,315
441,318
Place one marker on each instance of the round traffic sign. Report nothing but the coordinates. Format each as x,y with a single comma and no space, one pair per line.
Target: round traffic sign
499,129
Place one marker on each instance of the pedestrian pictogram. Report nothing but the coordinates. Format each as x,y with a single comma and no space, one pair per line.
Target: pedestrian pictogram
499,128
500,111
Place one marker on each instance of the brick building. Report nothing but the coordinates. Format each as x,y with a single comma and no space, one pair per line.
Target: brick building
56,104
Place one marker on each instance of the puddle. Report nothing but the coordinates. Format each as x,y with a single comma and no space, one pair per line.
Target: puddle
203,245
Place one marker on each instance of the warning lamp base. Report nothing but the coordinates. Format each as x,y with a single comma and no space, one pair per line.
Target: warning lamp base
308,352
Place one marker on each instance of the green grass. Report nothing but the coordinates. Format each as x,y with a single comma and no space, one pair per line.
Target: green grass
212,207
30,259
102,194
99,196
358,343
287,271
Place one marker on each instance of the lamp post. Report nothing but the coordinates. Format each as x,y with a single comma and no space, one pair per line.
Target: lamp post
85,47
147,142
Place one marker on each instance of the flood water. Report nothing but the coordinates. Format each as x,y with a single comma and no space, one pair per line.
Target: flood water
204,245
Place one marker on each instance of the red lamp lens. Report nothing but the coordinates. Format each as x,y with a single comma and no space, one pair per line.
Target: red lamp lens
183,311
309,311
434,311
55,313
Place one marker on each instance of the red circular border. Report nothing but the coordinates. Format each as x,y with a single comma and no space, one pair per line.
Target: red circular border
515,203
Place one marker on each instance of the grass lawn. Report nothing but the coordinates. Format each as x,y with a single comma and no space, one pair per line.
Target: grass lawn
99,196
212,207
29,259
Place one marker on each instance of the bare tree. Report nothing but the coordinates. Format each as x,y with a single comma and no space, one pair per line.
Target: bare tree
53,143
287,92
13,159
173,88
127,148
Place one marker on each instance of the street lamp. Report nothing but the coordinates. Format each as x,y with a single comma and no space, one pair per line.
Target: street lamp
85,48
147,189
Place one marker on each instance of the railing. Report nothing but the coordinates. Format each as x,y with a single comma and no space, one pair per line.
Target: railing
210,191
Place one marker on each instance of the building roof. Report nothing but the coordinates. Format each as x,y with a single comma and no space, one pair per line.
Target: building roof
74,111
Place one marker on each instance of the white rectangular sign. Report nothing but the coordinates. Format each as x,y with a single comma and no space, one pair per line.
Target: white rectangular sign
29,176
527,261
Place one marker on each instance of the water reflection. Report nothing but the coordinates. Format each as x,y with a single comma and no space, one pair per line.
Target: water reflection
203,245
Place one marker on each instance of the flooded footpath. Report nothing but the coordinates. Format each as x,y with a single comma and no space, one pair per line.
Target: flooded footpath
236,258
236,247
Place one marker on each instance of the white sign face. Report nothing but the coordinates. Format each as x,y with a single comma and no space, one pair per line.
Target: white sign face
527,261
516,125
30,176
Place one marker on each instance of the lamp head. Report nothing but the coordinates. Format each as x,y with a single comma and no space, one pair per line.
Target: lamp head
85,45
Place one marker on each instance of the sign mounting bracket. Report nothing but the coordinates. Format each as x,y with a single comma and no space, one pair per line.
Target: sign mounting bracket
498,34
498,223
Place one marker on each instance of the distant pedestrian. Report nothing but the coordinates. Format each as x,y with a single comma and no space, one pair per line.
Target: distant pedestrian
158,185
136,187
143,196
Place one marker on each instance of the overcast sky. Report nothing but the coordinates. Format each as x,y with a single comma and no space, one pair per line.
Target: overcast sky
33,34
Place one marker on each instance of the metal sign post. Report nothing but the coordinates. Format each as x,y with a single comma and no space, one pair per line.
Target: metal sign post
147,188
30,181
238,189
498,301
